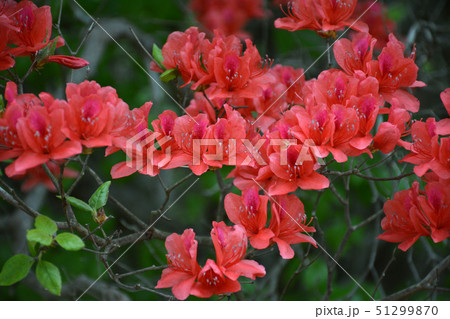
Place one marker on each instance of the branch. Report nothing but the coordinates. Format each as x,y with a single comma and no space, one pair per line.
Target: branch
425,284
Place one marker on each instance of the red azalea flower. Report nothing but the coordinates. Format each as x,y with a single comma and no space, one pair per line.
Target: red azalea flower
188,133
297,171
220,277
235,72
40,135
354,55
250,211
182,261
127,124
288,224
35,26
389,133
436,206
404,221
321,16
428,149
6,61
225,138
184,51
90,113
393,72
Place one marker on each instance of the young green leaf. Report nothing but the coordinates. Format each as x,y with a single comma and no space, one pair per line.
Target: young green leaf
69,241
78,203
38,236
49,276
157,55
169,75
100,197
45,224
32,248
2,104
15,269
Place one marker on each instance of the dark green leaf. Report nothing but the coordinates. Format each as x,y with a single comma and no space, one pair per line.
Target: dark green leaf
69,241
100,197
15,269
45,224
78,203
169,75
39,236
49,277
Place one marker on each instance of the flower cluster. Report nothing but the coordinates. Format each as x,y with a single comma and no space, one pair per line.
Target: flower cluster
324,16
25,30
36,130
414,213
219,276
287,223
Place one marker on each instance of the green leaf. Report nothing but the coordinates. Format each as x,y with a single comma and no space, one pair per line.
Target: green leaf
39,236
32,248
69,241
45,224
2,103
169,75
15,269
49,276
157,55
78,203
100,197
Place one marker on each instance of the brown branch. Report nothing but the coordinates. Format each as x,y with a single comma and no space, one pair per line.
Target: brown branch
425,284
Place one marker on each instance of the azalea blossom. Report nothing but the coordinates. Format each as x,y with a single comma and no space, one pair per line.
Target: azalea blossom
250,211
220,276
404,222
324,16
186,277
394,72
183,268
288,224
89,113
39,133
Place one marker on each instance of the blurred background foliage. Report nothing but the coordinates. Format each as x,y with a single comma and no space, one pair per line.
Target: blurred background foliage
376,264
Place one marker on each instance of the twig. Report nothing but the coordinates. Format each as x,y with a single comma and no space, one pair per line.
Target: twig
139,271
80,176
424,284
383,274
142,45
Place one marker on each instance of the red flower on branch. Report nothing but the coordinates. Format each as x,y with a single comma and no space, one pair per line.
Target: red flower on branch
394,71
90,113
230,244
183,268
288,224
404,222
324,16
250,211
